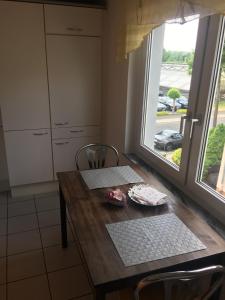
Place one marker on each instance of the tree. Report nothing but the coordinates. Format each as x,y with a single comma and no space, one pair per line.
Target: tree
190,61
214,148
174,94
219,90
175,57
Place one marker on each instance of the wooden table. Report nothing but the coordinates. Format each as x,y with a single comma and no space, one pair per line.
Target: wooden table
89,213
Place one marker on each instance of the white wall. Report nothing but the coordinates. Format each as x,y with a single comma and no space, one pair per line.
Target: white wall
115,76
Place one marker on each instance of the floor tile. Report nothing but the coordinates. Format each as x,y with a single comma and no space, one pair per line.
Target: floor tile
3,292
19,199
49,218
47,203
35,288
69,283
51,236
24,241
3,226
58,258
3,198
3,211
2,270
25,265
21,208
3,245
22,223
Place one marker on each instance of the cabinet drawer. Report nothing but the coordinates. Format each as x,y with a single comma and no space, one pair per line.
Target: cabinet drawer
29,156
64,151
60,133
73,20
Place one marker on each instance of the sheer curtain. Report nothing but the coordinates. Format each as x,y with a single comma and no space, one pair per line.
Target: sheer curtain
140,17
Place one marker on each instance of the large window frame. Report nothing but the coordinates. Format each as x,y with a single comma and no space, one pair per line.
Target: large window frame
208,44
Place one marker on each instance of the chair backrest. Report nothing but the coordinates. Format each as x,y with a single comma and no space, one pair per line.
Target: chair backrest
96,155
184,285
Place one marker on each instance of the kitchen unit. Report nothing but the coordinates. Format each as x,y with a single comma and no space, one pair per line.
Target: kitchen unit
50,86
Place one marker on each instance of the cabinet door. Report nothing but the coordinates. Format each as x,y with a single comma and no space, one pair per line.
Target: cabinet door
29,156
23,76
74,65
73,20
64,151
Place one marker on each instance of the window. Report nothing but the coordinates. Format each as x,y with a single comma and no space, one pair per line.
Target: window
211,168
171,56
183,115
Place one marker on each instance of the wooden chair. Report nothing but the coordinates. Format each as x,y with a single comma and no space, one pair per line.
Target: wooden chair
199,284
96,155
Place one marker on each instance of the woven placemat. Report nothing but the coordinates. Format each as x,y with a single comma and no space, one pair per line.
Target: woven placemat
109,177
148,239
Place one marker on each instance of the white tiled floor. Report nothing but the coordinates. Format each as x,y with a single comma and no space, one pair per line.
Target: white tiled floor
33,266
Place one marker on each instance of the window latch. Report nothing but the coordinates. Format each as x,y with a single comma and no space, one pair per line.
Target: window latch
193,122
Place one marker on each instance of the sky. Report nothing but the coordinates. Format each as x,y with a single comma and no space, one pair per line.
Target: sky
181,37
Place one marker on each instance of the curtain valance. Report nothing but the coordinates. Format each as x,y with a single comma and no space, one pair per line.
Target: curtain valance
140,17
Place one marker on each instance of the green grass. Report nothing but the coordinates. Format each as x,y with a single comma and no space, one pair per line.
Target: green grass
162,113
182,111
222,105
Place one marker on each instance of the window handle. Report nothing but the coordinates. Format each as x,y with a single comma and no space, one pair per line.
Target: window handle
193,122
182,123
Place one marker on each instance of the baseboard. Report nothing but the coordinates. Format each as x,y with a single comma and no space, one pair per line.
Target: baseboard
33,189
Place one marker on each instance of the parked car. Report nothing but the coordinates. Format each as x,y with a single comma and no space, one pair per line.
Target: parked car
161,107
168,140
183,102
168,102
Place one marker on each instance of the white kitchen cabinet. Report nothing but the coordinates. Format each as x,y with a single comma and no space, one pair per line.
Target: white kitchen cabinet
73,132
29,156
73,20
64,151
74,68
23,74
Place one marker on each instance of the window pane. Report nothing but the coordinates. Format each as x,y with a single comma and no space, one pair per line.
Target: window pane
212,171
171,56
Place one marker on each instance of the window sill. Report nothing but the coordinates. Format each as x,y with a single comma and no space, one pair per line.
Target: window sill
180,195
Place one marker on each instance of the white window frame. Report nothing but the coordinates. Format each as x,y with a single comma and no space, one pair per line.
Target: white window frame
185,177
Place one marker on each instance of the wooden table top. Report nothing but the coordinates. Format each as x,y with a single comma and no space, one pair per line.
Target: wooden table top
89,213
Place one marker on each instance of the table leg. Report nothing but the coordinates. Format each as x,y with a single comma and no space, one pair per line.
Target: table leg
63,219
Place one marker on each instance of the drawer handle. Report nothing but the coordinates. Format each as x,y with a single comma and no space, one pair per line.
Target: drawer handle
62,123
60,144
76,131
78,29
38,134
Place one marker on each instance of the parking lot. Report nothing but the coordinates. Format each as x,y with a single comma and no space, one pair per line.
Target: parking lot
172,121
